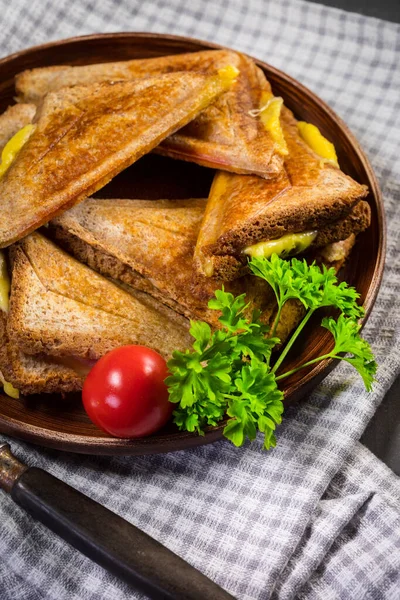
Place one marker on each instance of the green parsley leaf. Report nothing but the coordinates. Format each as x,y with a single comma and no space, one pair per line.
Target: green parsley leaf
340,295
232,310
345,332
255,404
228,372
202,334
313,286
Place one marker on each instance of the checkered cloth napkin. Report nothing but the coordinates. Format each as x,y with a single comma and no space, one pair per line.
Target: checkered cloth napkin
318,517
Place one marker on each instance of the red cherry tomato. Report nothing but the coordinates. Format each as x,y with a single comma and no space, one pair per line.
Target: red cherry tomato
125,393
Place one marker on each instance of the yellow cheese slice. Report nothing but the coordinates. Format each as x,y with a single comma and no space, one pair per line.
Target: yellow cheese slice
317,142
287,245
4,303
270,113
4,283
10,390
13,146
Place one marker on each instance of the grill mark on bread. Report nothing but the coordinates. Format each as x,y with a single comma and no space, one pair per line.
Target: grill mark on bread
55,142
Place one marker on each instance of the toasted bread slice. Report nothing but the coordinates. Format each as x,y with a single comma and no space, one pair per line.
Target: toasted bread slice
34,374
146,244
149,245
244,210
226,135
42,373
223,136
62,308
227,267
13,119
85,135
32,85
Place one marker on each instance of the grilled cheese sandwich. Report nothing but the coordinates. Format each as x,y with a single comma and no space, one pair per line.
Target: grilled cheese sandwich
246,215
84,136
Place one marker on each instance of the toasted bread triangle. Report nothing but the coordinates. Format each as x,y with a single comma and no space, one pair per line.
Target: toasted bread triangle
223,136
146,244
85,135
62,308
119,239
32,85
149,245
244,210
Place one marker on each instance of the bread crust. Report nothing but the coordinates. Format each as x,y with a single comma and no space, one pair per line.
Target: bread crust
33,374
85,135
62,308
223,136
244,210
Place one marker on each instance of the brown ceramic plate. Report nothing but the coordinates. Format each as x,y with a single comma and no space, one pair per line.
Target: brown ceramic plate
61,423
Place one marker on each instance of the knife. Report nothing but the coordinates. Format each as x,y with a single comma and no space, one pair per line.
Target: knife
103,536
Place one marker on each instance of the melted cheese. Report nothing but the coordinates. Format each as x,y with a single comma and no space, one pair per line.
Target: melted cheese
228,74
287,245
10,390
317,142
4,283
13,146
270,113
208,267
4,303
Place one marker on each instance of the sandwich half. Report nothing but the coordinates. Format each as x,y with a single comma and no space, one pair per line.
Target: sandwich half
148,245
312,204
63,316
83,136
225,135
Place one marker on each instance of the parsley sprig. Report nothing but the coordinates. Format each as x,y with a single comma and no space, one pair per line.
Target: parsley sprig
229,373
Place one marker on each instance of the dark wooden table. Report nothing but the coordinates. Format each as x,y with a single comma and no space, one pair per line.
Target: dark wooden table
382,9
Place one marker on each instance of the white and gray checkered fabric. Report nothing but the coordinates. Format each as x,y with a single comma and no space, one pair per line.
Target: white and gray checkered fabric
318,517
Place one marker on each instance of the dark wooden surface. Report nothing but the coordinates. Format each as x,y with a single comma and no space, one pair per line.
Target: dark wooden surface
384,9
63,424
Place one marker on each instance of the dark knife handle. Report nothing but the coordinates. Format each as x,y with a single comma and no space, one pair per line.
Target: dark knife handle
111,541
